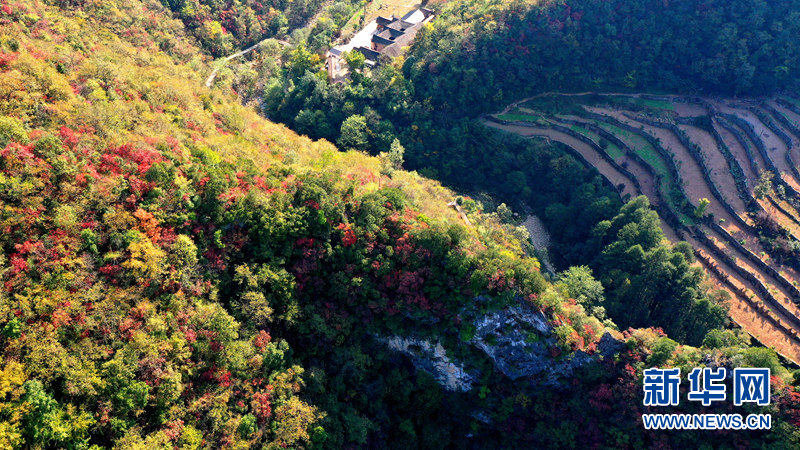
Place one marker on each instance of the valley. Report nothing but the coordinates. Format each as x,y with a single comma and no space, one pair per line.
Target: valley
213,240
737,154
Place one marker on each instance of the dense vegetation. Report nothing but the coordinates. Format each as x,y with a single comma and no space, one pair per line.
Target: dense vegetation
478,55
572,200
224,27
178,271
717,46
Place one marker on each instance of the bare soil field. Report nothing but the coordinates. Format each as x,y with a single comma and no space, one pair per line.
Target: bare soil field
717,164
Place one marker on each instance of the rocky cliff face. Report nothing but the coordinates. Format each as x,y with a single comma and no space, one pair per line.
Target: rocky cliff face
517,339
432,358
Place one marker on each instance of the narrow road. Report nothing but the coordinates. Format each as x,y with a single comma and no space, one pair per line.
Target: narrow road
213,75
310,23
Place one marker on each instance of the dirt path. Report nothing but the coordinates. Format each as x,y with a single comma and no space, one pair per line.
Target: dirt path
696,187
689,110
221,64
744,309
690,171
795,119
780,293
789,222
738,152
605,169
309,23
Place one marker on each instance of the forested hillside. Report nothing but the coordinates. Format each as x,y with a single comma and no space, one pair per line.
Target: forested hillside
488,53
477,55
178,271
225,27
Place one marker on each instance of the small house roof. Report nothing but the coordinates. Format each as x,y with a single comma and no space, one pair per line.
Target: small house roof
390,33
400,25
369,53
378,39
380,20
393,51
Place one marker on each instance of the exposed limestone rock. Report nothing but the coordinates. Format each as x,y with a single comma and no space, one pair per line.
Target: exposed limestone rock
433,359
608,345
518,339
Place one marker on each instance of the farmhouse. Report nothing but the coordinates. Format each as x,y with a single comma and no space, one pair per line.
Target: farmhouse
393,33
382,36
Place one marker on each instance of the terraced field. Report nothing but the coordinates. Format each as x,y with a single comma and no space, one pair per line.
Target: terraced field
739,154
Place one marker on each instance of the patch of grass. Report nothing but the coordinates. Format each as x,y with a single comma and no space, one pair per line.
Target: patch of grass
614,152
657,104
611,150
521,118
554,104
642,148
637,104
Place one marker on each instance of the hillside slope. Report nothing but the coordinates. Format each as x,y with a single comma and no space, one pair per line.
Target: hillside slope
161,243
178,271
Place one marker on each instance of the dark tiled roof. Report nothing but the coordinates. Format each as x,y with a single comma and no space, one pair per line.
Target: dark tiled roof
396,34
378,39
369,53
399,25
405,40
393,32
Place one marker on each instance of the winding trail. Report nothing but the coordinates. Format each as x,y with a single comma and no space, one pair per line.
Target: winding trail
309,23
221,64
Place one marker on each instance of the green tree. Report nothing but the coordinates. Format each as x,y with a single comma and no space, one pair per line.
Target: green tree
764,186
12,129
662,351
355,60
299,61
392,160
721,339
396,153
702,207
581,285
353,133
